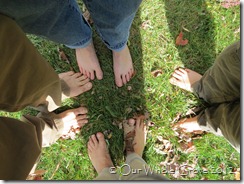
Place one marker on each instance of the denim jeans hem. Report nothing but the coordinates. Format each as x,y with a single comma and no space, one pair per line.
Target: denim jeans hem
81,44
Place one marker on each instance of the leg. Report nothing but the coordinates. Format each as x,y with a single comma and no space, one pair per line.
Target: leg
115,32
61,22
224,120
100,158
220,119
134,150
26,64
27,79
220,83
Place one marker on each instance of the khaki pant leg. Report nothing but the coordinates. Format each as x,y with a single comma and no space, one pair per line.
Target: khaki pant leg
221,82
20,146
224,120
137,169
25,77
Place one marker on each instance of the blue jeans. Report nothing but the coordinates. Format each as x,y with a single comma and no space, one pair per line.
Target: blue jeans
61,20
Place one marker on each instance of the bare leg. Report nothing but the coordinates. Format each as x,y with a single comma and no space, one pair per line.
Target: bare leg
123,66
98,152
88,62
185,78
73,84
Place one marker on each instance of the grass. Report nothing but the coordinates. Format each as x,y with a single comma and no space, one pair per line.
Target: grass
209,28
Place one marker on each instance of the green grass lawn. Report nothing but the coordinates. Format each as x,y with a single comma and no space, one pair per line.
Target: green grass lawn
209,28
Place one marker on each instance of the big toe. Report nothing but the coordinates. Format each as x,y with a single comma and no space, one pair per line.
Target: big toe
100,137
118,81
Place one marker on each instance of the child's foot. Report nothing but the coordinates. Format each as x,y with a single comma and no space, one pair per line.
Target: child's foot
123,66
189,125
137,143
185,78
72,118
88,62
98,152
73,84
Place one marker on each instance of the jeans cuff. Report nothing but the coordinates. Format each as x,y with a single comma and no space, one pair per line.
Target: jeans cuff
82,44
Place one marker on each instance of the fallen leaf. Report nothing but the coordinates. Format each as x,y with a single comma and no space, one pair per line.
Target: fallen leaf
63,56
180,40
146,24
87,16
156,73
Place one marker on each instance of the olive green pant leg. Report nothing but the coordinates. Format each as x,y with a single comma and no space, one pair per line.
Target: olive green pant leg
137,169
26,79
220,86
223,120
221,82
20,146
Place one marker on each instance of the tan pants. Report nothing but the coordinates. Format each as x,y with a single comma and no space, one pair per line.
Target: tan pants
135,168
26,79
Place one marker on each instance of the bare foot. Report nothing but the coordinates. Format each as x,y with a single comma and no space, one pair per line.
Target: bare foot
185,78
98,152
139,139
88,62
189,125
73,84
72,118
123,66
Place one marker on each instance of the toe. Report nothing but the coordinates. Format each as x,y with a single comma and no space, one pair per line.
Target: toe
91,143
124,79
131,122
176,75
127,77
173,80
76,75
81,110
99,74
81,123
100,137
92,77
94,139
83,82
118,81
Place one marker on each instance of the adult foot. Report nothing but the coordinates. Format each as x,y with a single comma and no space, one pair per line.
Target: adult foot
98,152
73,84
72,118
123,66
189,125
185,78
137,143
88,62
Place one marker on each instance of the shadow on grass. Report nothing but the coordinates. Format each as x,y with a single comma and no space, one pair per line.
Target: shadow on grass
197,25
109,105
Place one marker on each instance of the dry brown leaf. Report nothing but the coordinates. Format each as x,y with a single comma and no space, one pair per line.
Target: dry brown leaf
156,73
37,175
180,40
146,24
87,16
